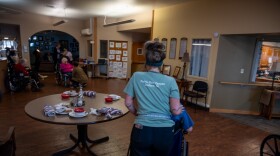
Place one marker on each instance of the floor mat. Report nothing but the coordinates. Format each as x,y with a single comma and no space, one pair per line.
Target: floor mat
272,126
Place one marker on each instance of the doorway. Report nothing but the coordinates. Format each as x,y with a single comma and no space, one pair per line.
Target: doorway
46,41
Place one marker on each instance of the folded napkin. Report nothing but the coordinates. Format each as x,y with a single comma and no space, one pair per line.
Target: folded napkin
109,111
49,110
89,93
94,112
60,109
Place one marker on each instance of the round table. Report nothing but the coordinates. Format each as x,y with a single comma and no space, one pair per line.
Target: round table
34,109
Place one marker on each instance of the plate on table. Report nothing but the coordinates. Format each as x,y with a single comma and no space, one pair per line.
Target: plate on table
71,93
114,97
67,111
74,115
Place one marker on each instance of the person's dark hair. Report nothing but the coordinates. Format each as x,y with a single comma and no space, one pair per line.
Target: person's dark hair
155,53
75,63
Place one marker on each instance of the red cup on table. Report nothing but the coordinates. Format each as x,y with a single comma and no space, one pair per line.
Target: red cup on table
108,99
65,96
79,111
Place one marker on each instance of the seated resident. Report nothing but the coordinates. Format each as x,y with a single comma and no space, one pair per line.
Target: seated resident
78,75
19,68
22,67
65,67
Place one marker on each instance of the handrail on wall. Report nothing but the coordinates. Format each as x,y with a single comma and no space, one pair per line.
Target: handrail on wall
263,84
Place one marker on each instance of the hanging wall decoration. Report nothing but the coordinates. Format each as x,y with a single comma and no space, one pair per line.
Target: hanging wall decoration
172,51
118,52
183,47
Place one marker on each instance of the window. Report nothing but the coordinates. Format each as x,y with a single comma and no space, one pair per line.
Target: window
8,44
266,53
200,57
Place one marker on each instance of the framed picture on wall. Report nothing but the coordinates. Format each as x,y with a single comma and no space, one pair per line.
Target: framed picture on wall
63,43
139,51
164,42
172,51
40,38
183,47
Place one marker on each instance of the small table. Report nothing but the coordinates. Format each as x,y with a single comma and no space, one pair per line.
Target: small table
34,109
268,103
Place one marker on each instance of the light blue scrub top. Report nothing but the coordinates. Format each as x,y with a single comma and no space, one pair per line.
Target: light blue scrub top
152,91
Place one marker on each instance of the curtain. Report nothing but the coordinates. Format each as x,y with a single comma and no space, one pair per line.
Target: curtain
200,57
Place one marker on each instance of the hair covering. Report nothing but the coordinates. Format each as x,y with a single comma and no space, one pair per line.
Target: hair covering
155,53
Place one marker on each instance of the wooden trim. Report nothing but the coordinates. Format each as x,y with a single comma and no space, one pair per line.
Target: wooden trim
246,84
95,39
152,28
217,110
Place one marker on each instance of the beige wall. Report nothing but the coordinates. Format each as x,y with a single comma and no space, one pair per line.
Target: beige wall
31,24
201,18
111,33
235,53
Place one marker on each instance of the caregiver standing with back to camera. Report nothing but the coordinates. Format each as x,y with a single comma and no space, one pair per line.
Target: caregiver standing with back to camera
157,97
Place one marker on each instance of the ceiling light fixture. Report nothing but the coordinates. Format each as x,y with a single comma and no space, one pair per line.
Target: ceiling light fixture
61,21
118,23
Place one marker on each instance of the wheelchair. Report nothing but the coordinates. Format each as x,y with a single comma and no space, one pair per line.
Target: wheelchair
61,78
17,81
270,145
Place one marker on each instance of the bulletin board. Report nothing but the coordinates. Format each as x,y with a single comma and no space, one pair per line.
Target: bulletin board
118,58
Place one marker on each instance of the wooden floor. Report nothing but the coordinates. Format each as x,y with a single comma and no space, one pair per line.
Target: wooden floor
213,135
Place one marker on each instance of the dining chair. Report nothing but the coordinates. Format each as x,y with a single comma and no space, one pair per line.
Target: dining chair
198,91
176,72
8,143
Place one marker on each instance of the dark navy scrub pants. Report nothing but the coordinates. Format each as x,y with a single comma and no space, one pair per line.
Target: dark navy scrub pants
151,141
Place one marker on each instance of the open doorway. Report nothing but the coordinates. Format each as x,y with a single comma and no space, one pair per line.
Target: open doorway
46,41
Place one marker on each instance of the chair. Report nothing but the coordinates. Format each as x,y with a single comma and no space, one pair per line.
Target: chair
8,144
267,103
199,90
176,72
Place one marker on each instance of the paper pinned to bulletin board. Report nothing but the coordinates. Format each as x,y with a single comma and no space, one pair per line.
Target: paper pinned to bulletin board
118,57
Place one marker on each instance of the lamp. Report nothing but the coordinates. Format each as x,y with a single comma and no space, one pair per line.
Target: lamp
185,59
275,69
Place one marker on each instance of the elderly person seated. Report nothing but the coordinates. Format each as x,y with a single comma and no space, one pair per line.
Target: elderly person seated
78,75
66,68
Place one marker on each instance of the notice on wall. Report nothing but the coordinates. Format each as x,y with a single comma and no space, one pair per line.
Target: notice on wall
118,57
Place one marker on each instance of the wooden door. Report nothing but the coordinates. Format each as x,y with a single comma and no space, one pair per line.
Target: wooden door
137,56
